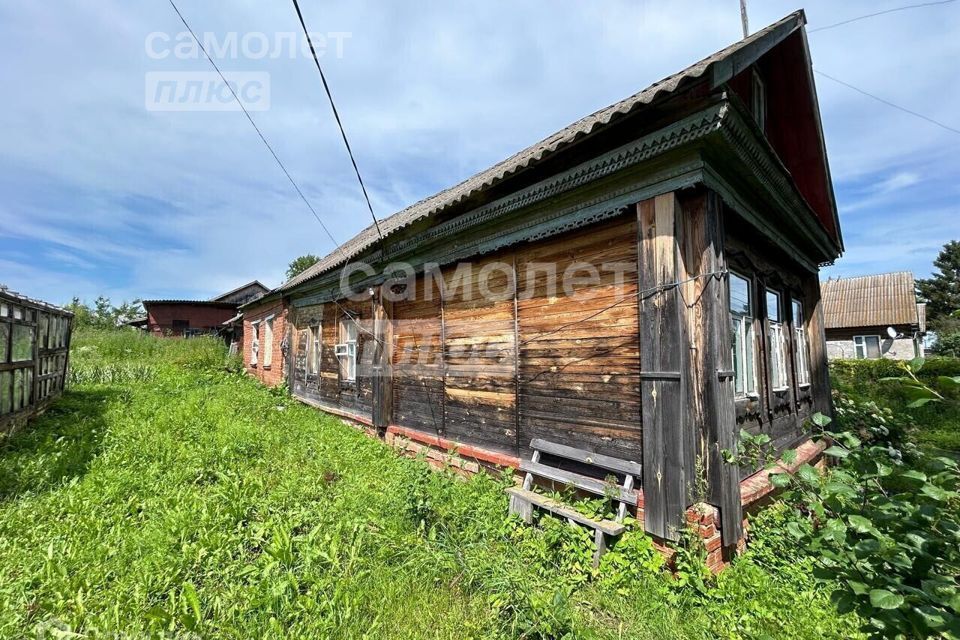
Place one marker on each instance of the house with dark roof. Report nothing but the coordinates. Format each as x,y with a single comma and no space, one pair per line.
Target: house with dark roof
642,285
186,318
876,316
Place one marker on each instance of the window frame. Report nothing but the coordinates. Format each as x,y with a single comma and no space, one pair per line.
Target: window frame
268,340
346,349
743,335
863,343
779,379
255,343
801,346
316,347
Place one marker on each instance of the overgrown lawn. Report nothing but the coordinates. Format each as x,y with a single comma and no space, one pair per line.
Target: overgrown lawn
167,495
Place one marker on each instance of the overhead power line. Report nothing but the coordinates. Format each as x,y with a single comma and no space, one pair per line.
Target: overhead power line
888,103
336,115
257,129
879,13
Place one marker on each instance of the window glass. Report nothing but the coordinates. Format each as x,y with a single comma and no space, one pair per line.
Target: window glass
777,343
307,337
773,306
314,348
740,295
6,396
347,349
4,337
866,347
22,343
268,342
17,389
802,363
254,342
742,340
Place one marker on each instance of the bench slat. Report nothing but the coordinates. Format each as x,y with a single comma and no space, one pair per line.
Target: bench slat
609,527
580,481
608,463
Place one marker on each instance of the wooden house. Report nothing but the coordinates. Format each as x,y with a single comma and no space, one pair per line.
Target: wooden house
642,284
871,317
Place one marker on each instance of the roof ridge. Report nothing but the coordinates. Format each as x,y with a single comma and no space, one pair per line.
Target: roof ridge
525,158
869,275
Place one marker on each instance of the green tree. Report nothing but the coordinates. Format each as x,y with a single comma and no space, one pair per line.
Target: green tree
301,264
82,314
941,292
103,314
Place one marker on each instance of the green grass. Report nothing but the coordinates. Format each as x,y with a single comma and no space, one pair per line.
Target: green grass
936,426
193,500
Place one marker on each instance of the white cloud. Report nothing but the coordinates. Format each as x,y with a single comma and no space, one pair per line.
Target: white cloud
192,204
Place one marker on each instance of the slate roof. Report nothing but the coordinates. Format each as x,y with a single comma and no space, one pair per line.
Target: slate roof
197,303
538,152
884,299
257,283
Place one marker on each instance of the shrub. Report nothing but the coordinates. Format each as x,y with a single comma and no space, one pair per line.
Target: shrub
884,527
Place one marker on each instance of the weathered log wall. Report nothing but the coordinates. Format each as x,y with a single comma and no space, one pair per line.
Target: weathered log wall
616,340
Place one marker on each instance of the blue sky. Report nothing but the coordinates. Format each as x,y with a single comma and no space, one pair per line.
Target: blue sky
98,195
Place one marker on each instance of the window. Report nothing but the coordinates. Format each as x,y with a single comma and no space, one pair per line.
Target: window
741,320
346,350
22,343
254,342
268,339
866,347
759,98
778,360
313,349
802,363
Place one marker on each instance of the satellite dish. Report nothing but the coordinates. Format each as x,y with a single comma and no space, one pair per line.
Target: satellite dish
892,333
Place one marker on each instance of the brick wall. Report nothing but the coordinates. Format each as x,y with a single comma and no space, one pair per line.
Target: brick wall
840,343
274,374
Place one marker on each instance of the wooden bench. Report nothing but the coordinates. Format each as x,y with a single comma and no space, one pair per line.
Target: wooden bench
522,500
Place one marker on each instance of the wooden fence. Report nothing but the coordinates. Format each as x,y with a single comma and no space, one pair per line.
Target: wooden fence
34,354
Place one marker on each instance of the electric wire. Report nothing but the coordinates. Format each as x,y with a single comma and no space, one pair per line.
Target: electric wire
257,129
887,102
336,115
879,13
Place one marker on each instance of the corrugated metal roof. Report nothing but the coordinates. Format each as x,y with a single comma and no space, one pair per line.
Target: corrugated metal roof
253,283
529,156
198,303
870,301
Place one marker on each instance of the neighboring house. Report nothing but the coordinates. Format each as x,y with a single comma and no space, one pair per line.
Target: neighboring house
198,317
264,340
244,294
876,316
684,225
